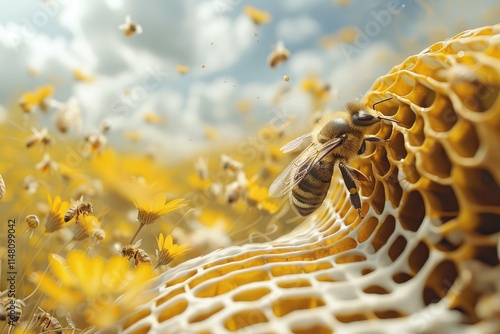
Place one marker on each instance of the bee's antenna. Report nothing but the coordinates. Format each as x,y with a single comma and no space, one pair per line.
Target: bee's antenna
387,99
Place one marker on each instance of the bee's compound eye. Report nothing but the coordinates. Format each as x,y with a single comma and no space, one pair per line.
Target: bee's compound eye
364,118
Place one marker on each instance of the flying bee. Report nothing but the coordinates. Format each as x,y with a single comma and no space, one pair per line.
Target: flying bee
47,322
11,309
335,140
43,137
229,164
133,251
79,208
129,27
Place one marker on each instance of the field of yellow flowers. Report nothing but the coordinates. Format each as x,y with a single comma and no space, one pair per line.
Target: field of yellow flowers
87,225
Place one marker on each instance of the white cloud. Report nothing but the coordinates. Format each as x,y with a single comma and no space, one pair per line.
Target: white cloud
85,35
297,30
307,62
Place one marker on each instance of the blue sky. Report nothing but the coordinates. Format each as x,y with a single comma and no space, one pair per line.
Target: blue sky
55,36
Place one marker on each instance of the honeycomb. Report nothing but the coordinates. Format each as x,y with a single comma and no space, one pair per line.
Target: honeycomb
424,259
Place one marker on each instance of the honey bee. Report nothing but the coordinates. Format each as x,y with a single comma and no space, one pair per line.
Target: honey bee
133,251
11,309
43,137
335,140
278,55
47,322
68,115
79,208
129,27
33,222
230,165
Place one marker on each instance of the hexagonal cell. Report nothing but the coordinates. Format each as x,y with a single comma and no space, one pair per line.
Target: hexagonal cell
439,281
366,271
434,159
441,200
307,328
412,211
476,96
396,146
477,186
441,114
350,317
169,295
487,254
205,314
171,311
384,232
251,294
295,283
487,223
416,136
216,288
394,191
380,161
389,314
427,94
376,289
406,116
397,248
401,277
350,258
410,170
284,305
136,317
244,319
403,85
418,257
377,200
365,167
445,245
463,139
367,228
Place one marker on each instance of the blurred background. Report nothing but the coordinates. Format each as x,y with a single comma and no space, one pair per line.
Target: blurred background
198,77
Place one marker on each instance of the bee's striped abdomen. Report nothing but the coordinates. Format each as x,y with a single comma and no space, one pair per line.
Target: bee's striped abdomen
310,193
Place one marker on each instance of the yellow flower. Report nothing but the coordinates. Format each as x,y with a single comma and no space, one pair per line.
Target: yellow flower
89,287
153,118
167,251
149,210
182,69
259,196
55,217
80,75
211,133
258,16
268,206
38,98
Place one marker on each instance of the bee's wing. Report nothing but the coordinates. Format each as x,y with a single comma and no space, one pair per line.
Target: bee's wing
295,143
284,183
278,187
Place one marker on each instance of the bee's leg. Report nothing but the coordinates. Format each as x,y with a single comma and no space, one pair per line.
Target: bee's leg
372,139
351,187
357,174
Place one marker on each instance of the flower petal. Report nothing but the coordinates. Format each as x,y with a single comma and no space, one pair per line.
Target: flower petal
61,270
